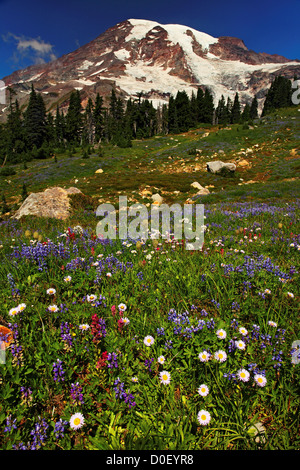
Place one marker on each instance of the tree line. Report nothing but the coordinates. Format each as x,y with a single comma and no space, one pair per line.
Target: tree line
35,133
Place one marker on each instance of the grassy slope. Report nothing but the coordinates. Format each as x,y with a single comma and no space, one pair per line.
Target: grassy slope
167,164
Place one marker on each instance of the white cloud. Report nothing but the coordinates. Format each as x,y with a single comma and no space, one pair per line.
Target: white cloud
35,49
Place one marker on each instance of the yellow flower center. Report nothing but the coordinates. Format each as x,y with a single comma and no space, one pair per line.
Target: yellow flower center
165,377
203,417
243,374
76,421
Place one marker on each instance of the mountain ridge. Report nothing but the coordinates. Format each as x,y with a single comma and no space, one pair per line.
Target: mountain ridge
155,60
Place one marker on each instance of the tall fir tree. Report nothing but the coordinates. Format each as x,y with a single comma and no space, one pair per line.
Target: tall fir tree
88,124
278,96
200,104
236,110
98,116
60,128
74,118
15,138
208,107
172,117
35,120
254,109
222,116
245,116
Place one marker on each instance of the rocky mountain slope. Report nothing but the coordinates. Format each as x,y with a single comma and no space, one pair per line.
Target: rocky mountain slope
155,60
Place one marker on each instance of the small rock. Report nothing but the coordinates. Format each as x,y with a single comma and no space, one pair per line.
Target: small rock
157,198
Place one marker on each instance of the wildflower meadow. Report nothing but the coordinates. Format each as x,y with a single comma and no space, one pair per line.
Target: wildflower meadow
145,345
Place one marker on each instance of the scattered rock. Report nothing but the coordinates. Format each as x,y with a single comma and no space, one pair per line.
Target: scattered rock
244,163
145,193
53,202
196,185
156,198
217,166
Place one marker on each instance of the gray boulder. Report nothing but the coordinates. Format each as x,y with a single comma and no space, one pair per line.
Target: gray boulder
217,166
53,202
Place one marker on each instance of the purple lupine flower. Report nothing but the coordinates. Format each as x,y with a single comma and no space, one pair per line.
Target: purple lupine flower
58,371
59,428
14,290
76,393
148,363
10,424
65,333
122,395
160,331
26,395
112,360
39,434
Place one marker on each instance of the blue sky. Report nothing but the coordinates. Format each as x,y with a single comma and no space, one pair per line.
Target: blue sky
35,31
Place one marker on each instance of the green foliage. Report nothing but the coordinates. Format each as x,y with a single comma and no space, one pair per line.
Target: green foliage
279,95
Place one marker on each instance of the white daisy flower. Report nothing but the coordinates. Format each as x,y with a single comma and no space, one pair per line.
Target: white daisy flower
203,417
272,323
243,375
291,295
108,274
51,291
53,308
203,390
21,307
126,321
220,356
165,377
122,307
221,334
161,359
91,298
260,380
148,340
243,331
76,421
267,291
84,327
135,379
67,279
14,311
240,344
204,356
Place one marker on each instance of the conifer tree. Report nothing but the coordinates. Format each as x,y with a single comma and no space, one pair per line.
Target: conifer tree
74,118
88,124
59,125
172,119
236,110
221,112
254,108
208,107
245,116
193,111
200,104
279,95
15,139
35,120
98,117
